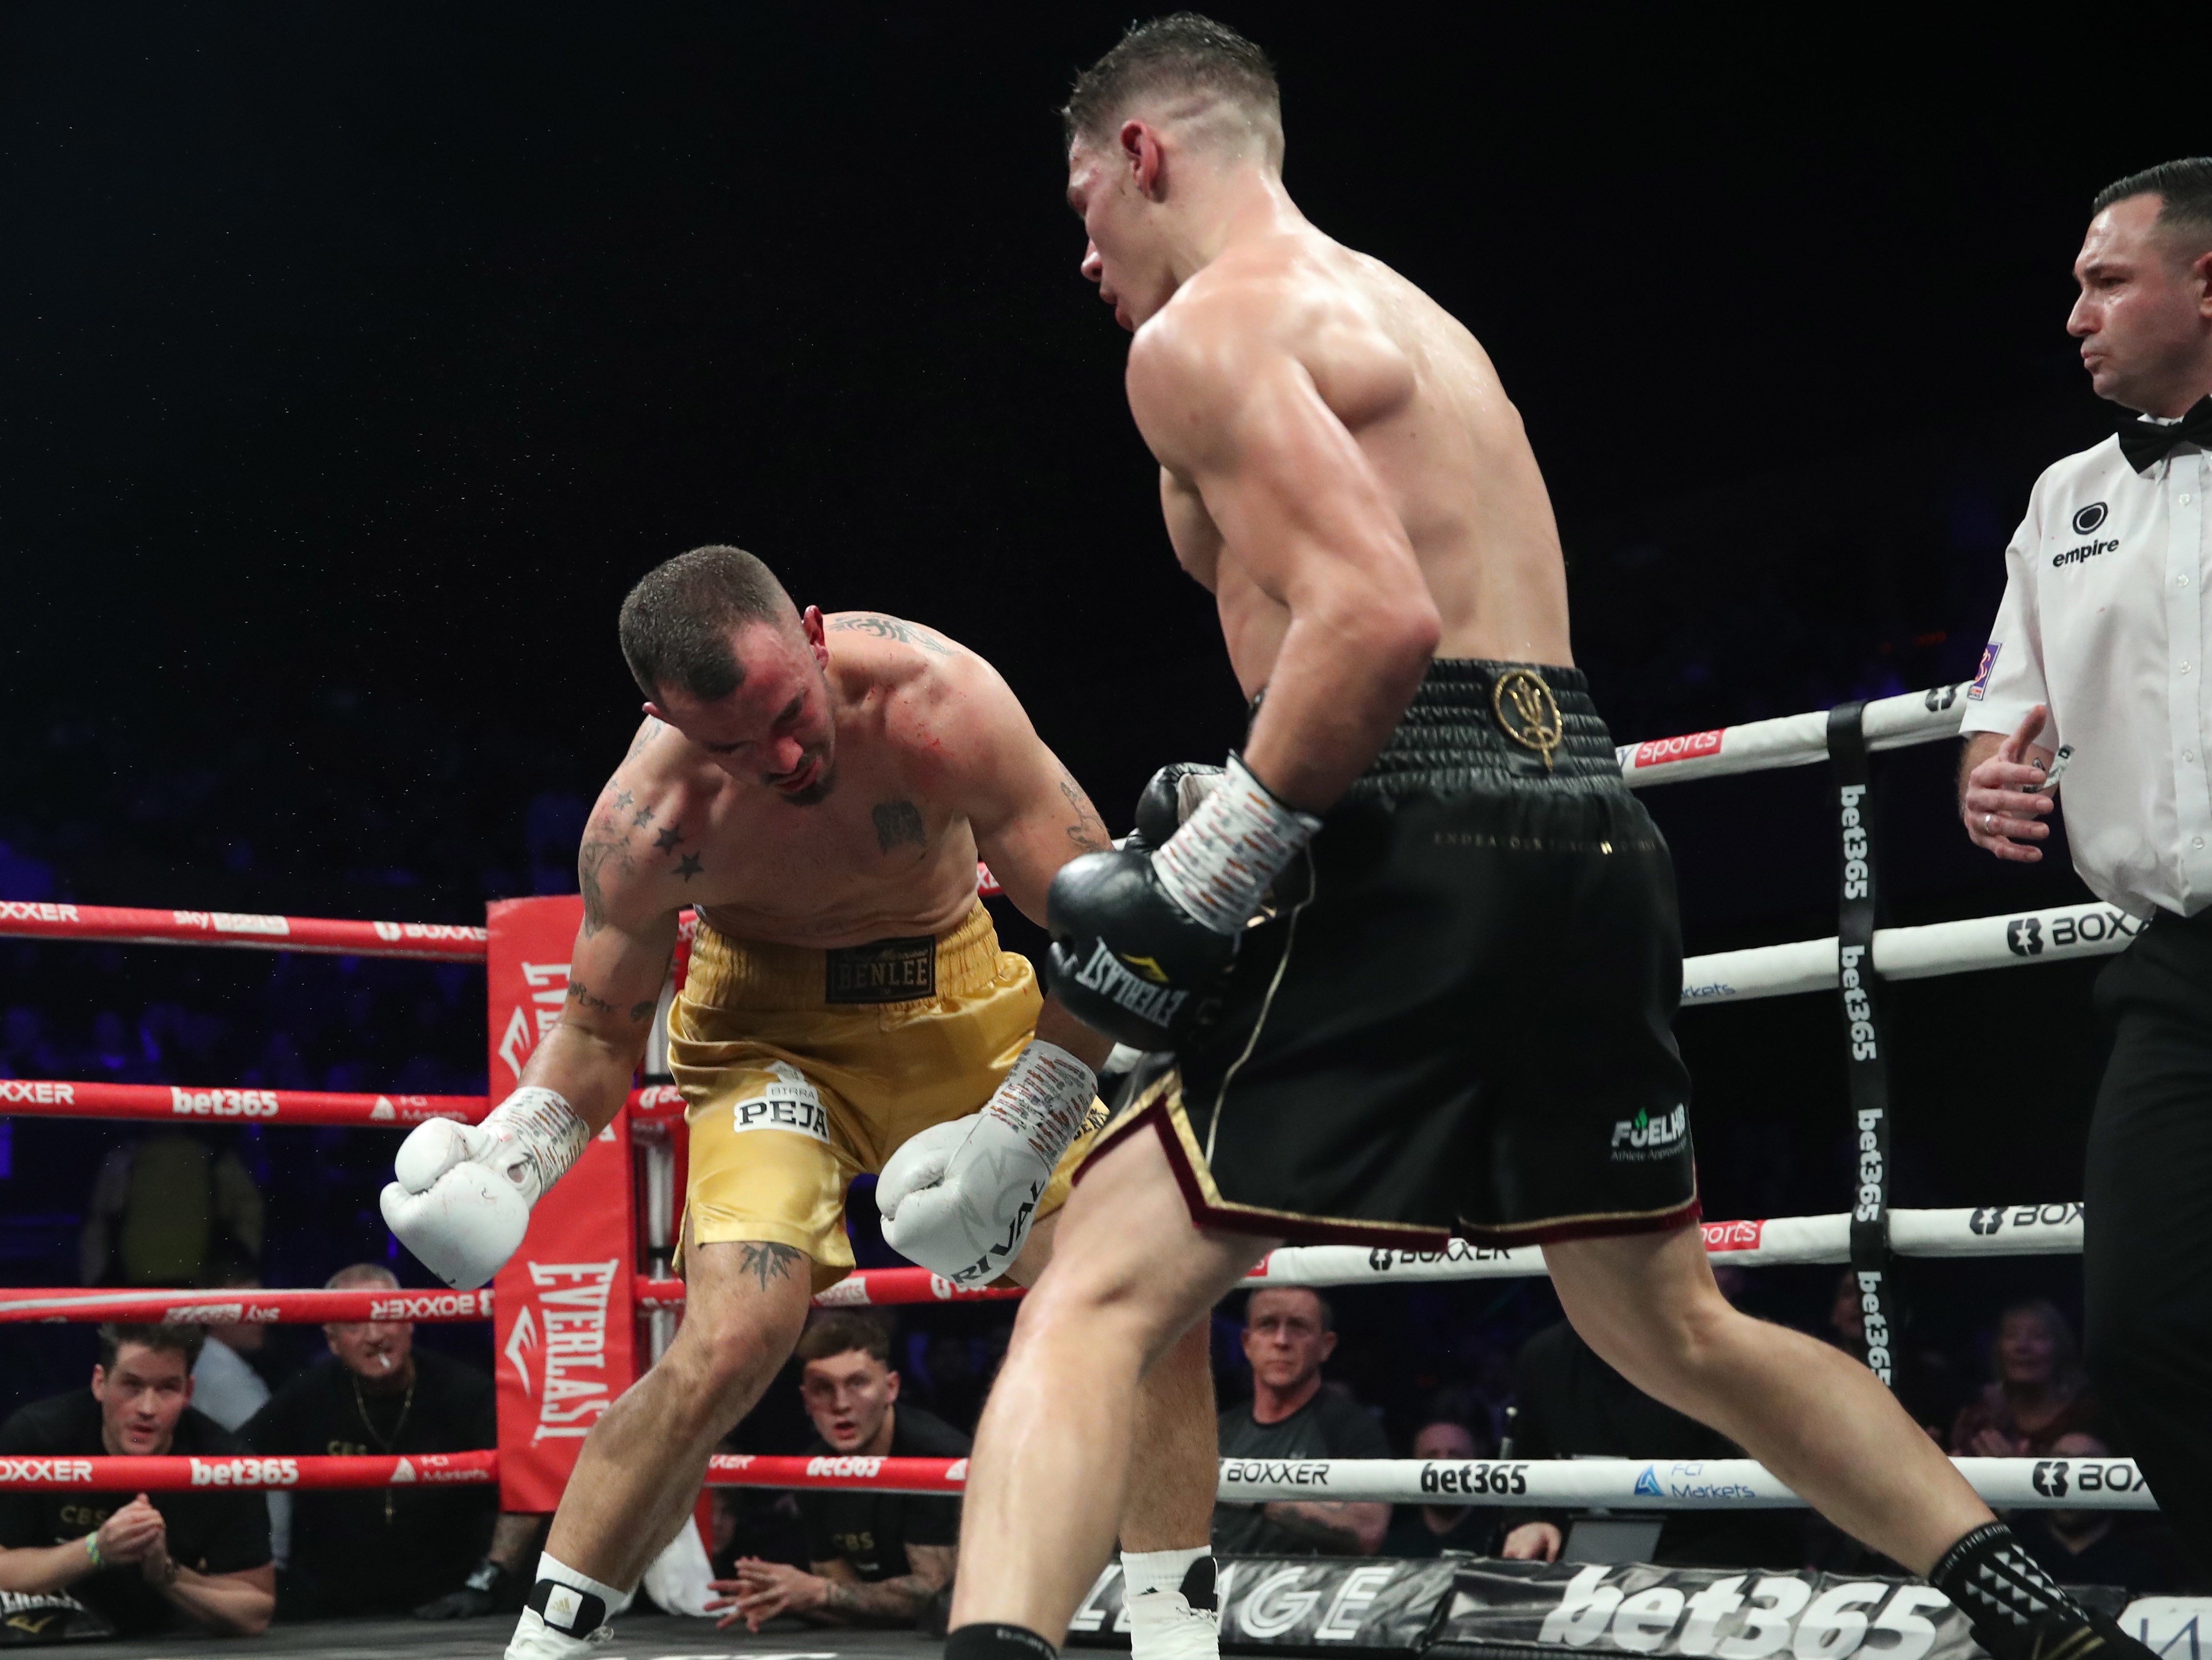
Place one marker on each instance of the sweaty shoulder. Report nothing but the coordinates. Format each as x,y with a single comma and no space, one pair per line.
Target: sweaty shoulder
1282,312
942,703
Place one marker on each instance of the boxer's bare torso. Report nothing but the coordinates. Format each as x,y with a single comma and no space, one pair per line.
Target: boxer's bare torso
1416,392
926,736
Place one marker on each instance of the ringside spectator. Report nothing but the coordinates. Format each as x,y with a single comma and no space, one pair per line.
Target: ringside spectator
1290,1332
149,1563
2040,1391
422,1547
1418,1530
877,1559
1574,1405
2090,1546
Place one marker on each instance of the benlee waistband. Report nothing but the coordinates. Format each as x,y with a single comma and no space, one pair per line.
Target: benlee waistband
727,972
1476,724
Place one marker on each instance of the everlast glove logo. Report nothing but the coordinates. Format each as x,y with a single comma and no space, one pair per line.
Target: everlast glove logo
1104,974
882,971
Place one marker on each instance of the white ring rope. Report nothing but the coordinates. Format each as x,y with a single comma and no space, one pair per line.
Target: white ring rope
1790,740
2064,932
1651,1484
2047,1230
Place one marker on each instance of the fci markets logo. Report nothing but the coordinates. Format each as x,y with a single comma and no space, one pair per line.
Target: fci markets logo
2088,518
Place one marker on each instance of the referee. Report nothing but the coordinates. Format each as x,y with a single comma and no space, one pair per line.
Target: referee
2099,651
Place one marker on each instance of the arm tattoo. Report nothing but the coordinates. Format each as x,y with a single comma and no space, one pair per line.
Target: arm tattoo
890,628
644,1010
667,839
1087,832
580,994
886,1602
644,817
646,734
622,801
688,866
594,855
767,1262
898,823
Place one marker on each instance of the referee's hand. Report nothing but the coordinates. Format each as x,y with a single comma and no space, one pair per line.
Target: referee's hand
2003,804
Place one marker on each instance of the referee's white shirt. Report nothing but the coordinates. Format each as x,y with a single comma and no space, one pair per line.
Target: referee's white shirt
2106,619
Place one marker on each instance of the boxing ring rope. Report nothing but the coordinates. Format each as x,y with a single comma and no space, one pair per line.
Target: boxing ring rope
1777,1242
1866,1238
1568,1483
1790,740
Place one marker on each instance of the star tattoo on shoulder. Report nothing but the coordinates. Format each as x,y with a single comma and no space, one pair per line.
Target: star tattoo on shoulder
689,865
644,816
622,801
667,838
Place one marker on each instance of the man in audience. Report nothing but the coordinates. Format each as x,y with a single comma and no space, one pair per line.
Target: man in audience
1289,1333
1432,1529
877,1559
366,1551
2089,1546
1574,1405
149,1563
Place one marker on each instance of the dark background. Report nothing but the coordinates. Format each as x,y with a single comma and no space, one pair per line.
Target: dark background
353,363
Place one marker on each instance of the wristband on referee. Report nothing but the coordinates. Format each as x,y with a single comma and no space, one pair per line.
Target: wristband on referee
1046,1098
1221,864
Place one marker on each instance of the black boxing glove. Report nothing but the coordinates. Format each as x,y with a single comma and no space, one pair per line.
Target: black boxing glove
1142,941
1172,796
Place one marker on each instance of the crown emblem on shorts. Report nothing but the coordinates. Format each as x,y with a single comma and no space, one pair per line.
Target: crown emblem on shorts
1528,712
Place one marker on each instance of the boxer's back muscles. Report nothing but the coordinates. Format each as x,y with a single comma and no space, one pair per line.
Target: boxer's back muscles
933,761
1256,374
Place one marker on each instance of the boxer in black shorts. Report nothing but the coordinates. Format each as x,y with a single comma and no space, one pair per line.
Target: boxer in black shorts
1502,1065
1451,1010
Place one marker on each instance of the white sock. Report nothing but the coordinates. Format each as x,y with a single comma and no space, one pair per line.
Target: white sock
1163,1624
568,1614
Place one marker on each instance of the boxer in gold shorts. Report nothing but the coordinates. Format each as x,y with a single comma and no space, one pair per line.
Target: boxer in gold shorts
819,790
802,1068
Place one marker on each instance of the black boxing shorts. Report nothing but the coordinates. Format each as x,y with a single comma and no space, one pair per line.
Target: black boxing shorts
1456,1016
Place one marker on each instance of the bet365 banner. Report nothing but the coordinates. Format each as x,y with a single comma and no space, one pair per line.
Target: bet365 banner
1472,1609
565,1331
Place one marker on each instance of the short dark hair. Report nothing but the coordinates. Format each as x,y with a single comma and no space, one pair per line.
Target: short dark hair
1327,1310
841,1331
184,1340
1183,52
2185,187
677,621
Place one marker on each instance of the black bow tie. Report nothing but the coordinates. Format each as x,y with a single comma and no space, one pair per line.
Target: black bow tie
2146,442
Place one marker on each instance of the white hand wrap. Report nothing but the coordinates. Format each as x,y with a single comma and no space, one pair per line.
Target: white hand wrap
959,1198
462,1200
1219,865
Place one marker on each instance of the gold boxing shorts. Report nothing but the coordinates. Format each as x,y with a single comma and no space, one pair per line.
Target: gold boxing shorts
801,1069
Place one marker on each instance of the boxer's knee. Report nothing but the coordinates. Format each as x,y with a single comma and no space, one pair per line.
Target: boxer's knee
747,1304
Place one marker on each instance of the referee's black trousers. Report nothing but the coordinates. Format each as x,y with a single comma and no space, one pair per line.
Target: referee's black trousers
2147,1256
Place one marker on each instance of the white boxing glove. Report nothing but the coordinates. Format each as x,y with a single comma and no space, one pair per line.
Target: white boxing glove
959,1198
462,1201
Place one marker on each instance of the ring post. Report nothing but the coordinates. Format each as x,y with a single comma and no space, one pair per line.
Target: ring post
1867,1070
564,1325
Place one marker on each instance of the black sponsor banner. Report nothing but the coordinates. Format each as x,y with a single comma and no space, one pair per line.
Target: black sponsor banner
29,1618
1867,1072
1476,1608
1524,1608
1342,1604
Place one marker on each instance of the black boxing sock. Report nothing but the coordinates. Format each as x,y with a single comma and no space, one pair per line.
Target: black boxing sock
2016,1610
995,1642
